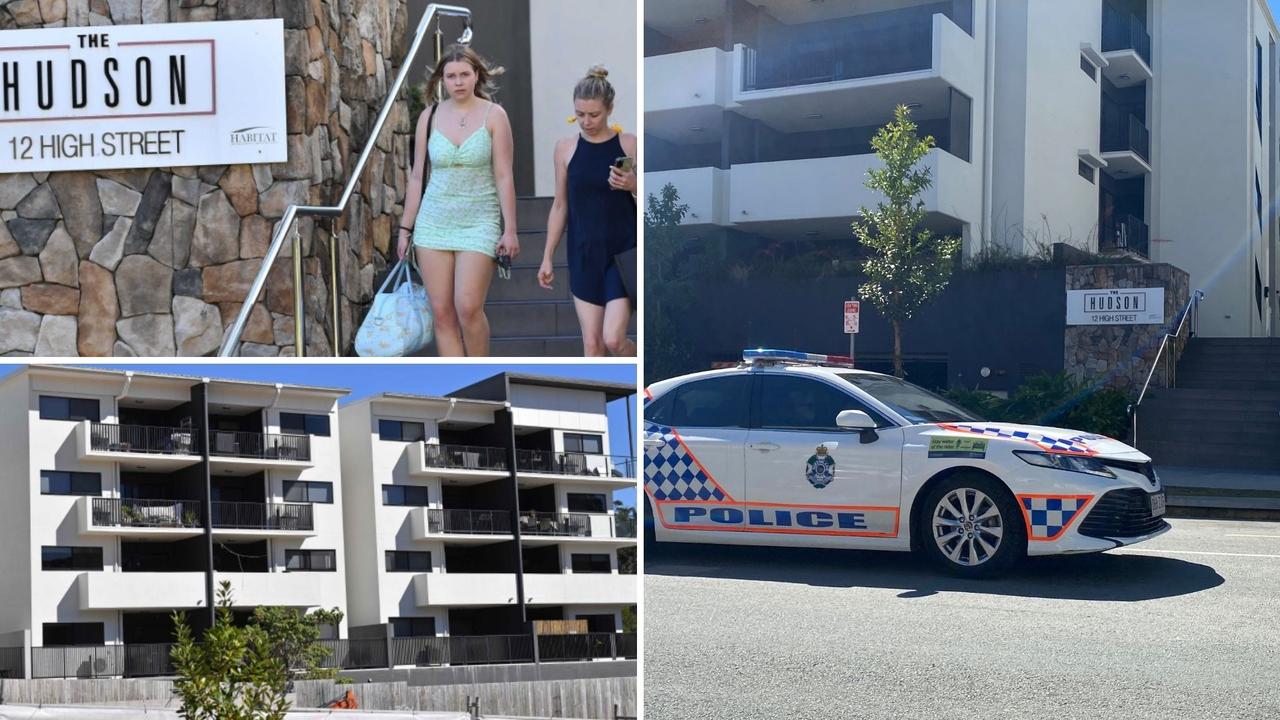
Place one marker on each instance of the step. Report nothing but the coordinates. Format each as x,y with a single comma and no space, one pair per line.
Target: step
523,285
1234,342
538,346
1209,455
538,318
532,244
1225,383
1211,395
531,212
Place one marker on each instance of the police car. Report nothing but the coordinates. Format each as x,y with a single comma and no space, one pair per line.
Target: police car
797,449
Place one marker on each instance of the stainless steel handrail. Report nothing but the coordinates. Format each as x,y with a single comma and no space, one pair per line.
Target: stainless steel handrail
1192,308
232,339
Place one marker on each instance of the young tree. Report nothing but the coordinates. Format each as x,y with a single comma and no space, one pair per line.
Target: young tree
232,674
907,266
293,637
668,289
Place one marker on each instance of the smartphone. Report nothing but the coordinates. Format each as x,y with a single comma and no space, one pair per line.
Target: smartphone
626,163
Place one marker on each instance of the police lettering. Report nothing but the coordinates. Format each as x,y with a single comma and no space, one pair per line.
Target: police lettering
759,518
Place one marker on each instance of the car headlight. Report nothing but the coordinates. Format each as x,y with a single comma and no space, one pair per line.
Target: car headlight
1062,461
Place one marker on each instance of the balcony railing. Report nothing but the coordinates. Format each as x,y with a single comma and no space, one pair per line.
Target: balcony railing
561,524
129,512
1122,30
1125,232
92,661
464,457
1123,132
110,437
469,522
266,446
262,516
563,463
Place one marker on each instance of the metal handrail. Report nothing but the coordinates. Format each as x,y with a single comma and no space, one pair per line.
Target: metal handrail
232,339
1191,308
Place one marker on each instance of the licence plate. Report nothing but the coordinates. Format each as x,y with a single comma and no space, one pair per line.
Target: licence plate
1157,504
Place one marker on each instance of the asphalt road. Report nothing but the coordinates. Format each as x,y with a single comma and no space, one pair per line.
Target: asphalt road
1184,626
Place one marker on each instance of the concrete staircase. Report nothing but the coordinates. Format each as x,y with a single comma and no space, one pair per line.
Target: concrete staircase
1216,436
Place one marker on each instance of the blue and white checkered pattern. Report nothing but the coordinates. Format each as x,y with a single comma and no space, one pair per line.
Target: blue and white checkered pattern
672,473
1046,442
1048,516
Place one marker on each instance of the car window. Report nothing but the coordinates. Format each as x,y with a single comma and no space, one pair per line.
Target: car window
797,403
714,402
659,410
911,402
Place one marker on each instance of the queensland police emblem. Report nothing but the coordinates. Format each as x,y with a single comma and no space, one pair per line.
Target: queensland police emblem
820,470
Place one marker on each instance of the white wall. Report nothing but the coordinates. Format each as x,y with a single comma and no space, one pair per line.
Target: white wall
15,510
546,407
567,37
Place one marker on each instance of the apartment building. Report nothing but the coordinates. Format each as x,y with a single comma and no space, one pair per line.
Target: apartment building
480,511
1141,128
129,495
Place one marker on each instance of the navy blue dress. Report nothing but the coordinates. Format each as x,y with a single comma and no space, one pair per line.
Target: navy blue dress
602,222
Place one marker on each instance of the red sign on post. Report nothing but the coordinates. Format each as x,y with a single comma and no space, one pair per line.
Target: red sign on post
851,308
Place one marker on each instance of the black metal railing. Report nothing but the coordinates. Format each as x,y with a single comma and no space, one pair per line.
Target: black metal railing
1125,233
1124,132
262,516
110,437
267,446
562,524
1122,30
627,645
475,522
464,457
130,512
582,464
586,646
11,662
92,661
354,654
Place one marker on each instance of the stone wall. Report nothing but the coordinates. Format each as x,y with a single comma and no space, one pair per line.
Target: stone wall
158,261
1122,354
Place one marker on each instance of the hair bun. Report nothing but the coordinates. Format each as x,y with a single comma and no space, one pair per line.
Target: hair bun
598,71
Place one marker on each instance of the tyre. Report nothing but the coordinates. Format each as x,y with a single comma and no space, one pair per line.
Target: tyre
971,527
650,519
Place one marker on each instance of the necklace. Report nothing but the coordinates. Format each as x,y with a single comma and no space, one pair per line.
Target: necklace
462,119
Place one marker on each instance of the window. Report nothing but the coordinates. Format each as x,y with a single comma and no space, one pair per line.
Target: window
579,443
659,411
1257,286
310,560
304,491
401,431
65,557
61,482
594,563
408,561
61,408
88,633
1088,67
715,402
1257,198
1257,85
413,627
797,403
300,424
911,402
1085,170
589,503
408,495
961,115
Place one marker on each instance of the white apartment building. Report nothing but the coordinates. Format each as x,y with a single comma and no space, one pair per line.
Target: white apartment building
129,495
1140,127
476,513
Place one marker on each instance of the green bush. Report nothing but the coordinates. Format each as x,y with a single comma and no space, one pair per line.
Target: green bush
1053,399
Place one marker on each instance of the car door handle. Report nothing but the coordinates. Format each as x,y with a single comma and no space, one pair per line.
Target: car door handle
654,442
764,446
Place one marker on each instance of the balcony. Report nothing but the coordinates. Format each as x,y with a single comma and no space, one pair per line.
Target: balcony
1126,45
99,661
466,464
262,520
540,467
1124,234
580,589
470,527
1126,144
170,590
705,190
672,110
542,528
129,517
143,447
249,452
464,589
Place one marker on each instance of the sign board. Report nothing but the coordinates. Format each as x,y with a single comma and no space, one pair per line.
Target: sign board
130,96
1126,306
851,310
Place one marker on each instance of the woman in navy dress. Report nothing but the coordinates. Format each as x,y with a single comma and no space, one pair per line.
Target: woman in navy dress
595,202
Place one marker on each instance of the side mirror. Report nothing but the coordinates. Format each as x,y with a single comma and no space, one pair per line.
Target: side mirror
855,420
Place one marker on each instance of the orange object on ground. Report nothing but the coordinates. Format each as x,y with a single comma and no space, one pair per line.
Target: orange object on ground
348,702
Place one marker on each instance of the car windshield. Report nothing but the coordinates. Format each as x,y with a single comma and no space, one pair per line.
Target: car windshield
913,403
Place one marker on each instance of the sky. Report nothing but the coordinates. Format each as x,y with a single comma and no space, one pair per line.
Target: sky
368,378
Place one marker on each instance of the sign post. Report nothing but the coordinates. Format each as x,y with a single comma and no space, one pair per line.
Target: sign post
851,311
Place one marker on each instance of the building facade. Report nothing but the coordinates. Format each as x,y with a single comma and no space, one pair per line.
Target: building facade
1083,123
492,507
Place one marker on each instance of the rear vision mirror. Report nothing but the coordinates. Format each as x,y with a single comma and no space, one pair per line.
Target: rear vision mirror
855,420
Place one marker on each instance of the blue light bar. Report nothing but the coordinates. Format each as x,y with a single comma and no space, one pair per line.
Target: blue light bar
795,356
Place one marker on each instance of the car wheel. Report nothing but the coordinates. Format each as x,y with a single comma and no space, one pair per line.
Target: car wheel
971,526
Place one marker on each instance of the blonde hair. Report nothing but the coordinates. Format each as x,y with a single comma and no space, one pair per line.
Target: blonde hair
485,73
595,86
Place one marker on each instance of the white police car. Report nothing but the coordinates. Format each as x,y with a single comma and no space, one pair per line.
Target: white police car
796,449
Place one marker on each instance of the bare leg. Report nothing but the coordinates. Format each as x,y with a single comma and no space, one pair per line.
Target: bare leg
591,319
437,271
472,276
616,316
